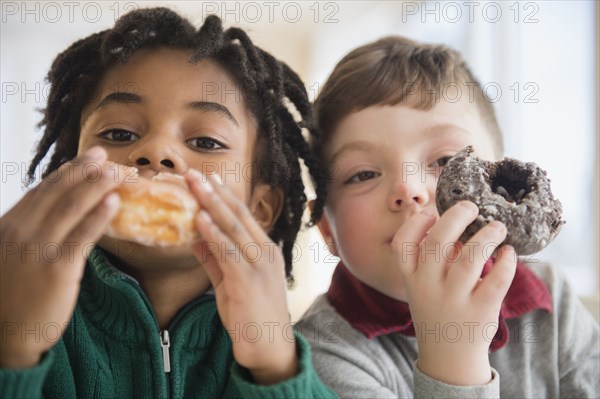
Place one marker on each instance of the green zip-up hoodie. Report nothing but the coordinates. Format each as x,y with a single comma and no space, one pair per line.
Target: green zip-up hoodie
113,347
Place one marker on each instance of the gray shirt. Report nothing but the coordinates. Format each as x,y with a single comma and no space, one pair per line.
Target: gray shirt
548,355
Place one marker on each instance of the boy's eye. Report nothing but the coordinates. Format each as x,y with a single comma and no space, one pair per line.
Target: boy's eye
441,162
119,135
362,176
205,143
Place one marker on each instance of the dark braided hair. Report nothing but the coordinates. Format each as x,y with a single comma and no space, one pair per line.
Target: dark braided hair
269,87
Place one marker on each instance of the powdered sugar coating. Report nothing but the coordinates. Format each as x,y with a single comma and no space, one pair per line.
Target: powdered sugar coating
513,192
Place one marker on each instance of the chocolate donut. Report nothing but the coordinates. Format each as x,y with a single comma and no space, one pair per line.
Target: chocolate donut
513,192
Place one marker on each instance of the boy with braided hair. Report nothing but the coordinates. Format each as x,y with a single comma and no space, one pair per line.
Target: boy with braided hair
156,93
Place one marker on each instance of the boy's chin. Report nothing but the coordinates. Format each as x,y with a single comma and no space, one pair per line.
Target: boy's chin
137,255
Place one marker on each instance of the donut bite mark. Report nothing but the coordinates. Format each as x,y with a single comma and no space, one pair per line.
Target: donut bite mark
516,193
155,212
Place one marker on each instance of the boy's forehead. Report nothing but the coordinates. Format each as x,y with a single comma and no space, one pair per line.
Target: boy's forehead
405,124
167,74
166,66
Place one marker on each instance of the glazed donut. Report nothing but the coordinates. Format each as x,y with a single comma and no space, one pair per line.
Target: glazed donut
513,192
155,212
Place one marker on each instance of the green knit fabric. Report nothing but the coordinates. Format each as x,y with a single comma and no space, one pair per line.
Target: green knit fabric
112,349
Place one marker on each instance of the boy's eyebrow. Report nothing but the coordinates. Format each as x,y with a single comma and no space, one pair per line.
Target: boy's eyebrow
122,97
353,146
213,107
444,129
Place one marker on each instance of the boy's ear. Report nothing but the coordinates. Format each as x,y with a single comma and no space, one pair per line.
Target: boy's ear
325,230
266,205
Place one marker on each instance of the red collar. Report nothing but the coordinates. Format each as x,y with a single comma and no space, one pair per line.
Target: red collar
375,314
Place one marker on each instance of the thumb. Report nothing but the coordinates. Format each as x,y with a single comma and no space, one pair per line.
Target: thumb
407,240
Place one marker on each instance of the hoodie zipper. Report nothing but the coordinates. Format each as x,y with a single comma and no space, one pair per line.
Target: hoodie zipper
165,343
165,340
164,337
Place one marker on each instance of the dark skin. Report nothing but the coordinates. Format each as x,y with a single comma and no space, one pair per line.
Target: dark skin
168,114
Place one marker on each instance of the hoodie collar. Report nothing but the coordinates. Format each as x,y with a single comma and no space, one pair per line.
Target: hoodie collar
375,314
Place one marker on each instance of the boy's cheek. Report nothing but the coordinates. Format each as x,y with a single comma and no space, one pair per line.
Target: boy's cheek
353,227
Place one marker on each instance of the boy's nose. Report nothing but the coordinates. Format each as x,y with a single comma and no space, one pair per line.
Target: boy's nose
409,192
145,161
158,158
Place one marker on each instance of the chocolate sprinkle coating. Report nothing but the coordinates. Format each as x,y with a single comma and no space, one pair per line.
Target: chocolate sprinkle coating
513,192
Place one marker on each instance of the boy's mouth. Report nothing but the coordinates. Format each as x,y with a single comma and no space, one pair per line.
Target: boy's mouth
390,240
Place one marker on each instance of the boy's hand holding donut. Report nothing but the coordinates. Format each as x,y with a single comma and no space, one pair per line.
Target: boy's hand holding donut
46,238
246,270
454,311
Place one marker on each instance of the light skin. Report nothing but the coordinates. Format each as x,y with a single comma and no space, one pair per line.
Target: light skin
381,220
169,116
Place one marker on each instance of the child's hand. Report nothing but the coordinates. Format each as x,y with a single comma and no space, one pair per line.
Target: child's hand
454,311
246,270
46,238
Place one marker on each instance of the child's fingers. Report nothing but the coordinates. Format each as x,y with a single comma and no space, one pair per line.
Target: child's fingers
238,211
92,226
52,188
51,204
464,274
76,202
453,223
226,253
407,240
226,211
496,283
